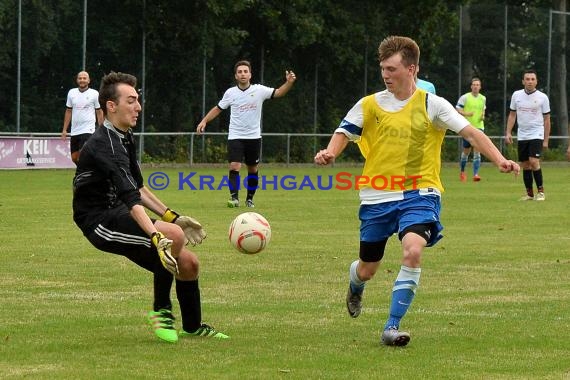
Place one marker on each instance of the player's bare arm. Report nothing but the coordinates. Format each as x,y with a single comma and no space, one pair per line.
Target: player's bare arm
336,146
193,231
100,117
546,131
510,124
152,202
290,78
66,121
483,144
211,115
140,216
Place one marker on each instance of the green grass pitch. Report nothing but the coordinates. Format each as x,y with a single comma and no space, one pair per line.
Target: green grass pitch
493,301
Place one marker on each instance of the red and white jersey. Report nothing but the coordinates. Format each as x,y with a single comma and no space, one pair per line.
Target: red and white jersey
245,111
83,106
530,109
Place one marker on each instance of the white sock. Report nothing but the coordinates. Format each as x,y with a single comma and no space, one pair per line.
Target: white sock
354,279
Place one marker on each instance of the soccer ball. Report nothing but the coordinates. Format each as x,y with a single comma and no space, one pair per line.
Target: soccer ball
249,233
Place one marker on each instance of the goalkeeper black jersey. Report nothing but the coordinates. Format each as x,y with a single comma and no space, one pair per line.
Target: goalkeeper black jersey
108,177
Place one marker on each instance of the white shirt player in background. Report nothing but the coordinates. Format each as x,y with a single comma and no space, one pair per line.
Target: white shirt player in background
531,109
83,111
245,101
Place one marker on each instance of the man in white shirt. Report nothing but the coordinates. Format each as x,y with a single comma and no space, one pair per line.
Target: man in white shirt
83,111
531,109
244,139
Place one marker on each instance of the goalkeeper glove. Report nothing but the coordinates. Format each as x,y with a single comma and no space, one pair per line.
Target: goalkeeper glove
192,228
163,245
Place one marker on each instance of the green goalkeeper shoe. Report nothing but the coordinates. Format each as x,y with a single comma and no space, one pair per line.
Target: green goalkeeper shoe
233,202
207,331
162,322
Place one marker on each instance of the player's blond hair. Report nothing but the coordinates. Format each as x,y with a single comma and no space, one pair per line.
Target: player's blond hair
408,48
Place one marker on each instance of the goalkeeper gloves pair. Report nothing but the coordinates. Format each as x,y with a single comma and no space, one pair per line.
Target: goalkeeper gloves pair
193,232
192,228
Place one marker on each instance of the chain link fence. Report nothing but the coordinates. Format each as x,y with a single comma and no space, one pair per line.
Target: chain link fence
492,41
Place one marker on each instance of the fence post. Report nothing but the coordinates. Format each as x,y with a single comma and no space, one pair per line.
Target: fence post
191,149
288,148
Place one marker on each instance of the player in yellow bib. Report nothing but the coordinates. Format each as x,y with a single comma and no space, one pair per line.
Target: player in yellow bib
472,105
400,132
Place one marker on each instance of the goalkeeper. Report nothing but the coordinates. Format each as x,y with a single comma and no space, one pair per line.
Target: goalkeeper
109,206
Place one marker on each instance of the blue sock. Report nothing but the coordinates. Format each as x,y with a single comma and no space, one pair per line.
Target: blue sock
476,163
464,158
356,284
402,295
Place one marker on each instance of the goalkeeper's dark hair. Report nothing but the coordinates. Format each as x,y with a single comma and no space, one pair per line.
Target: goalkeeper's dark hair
108,89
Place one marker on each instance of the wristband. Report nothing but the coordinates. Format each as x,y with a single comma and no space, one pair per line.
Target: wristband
170,216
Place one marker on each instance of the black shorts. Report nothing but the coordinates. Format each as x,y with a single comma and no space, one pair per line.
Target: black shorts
77,142
244,150
529,148
120,234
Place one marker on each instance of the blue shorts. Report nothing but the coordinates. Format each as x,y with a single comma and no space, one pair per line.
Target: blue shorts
380,221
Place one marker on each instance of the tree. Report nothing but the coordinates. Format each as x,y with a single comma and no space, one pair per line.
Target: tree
331,45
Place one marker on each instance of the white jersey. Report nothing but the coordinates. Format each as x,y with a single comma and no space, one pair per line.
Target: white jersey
530,109
83,106
245,112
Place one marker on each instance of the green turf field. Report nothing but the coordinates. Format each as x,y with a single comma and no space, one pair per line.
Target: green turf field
493,301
